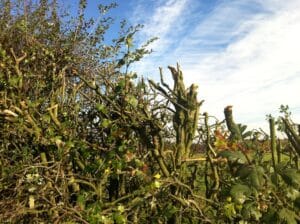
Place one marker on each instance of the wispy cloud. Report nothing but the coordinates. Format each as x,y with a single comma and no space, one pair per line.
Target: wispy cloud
256,72
164,18
164,21
243,53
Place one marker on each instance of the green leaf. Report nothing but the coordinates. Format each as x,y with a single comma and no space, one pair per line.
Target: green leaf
229,211
291,177
288,216
256,177
292,193
247,134
129,41
121,85
101,108
250,211
119,219
169,210
233,156
274,178
239,193
132,101
244,171
13,81
122,39
105,123
271,216
243,131
81,201
121,62
103,219
46,118
297,203
242,127
246,210
256,214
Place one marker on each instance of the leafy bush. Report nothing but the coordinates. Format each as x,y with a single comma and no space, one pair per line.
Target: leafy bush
84,141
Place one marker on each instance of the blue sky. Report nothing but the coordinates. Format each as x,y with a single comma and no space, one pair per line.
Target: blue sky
244,53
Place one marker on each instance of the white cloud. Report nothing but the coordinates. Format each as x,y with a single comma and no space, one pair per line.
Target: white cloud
256,73
164,22
244,54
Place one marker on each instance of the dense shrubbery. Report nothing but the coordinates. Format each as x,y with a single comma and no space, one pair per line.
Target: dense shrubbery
84,141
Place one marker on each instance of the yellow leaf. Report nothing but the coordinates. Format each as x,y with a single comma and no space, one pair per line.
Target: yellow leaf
107,171
157,184
121,208
31,202
129,41
157,176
